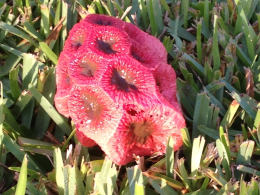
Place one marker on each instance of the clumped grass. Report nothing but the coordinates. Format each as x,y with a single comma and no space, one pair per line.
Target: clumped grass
214,47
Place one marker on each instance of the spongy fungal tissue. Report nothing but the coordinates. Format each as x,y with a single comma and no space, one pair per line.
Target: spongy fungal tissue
114,82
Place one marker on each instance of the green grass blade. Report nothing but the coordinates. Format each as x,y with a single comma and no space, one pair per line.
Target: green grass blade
49,53
99,6
125,13
166,189
181,32
67,141
12,147
46,86
21,103
162,187
229,116
14,85
170,157
171,182
65,179
105,181
57,12
10,120
12,50
245,152
253,187
22,181
174,34
26,142
72,15
183,174
13,60
72,183
225,140
2,9
258,20
198,67
247,103
64,31
215,102
119,9
214,176
30,70
215,48
197,149
243,56
28,27
189,77
249,35
75,184
2,116
135,179
111,7
198,41
248,170
166,7
11,29
158,16
257,123
144,14
200,116
50,110
213,117
208,131
225,158
186,138
243,188
168,44
151,15
187,95
34,190
206,13
214,86
106,7
59,171
184,11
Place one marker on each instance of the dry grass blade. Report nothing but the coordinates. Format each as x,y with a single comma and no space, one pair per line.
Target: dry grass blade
54,35
249,82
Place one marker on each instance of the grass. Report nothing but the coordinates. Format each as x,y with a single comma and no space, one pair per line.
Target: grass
214,47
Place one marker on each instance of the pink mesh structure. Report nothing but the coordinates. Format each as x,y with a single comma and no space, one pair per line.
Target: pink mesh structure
114,82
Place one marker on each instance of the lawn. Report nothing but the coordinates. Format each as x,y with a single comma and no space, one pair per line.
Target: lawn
214,47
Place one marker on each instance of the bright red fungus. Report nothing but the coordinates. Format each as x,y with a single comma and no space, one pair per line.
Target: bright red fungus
145,132
86,68
63,83
148,42
95,20
84,140
94,112
108,42
114,82
126,80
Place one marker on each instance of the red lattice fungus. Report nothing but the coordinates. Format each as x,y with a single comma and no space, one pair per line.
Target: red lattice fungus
126,80
94,112
87,68
144,132
166,81
84,140
63,83
114,82
147,42
108,42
